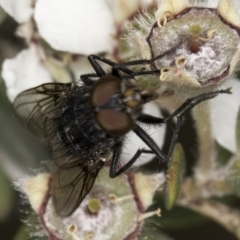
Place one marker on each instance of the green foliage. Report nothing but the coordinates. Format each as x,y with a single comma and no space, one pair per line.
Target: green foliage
6,193
222,155
238,132
22,233
173,176
233,178
151,232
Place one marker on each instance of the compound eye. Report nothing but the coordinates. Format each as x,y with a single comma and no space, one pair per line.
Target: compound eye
114,123
103,90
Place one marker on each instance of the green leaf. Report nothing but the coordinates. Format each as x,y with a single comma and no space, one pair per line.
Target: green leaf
22,233
173,176
222,155
233,178
238,132
3,15
31,230
22,148
151,232
6,193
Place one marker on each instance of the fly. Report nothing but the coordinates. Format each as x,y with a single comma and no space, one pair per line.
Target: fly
86,124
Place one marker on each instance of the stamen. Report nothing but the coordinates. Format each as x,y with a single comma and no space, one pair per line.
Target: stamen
149,214
89,235
180,61
71,230
166,17
210,34
114,199
164,73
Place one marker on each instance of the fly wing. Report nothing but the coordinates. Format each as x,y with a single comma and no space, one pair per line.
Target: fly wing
72,176
70,184
35,106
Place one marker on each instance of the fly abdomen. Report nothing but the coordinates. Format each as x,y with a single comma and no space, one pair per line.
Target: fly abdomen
77,127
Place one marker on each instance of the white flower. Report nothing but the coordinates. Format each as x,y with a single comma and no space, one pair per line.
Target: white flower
21,11
112,209
203,43
76,26
24,71
223,113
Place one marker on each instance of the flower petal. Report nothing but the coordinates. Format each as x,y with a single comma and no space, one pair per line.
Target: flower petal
224,110
205,3
133,142
236,5
229,10
21,11
75,26
23,72
123,9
